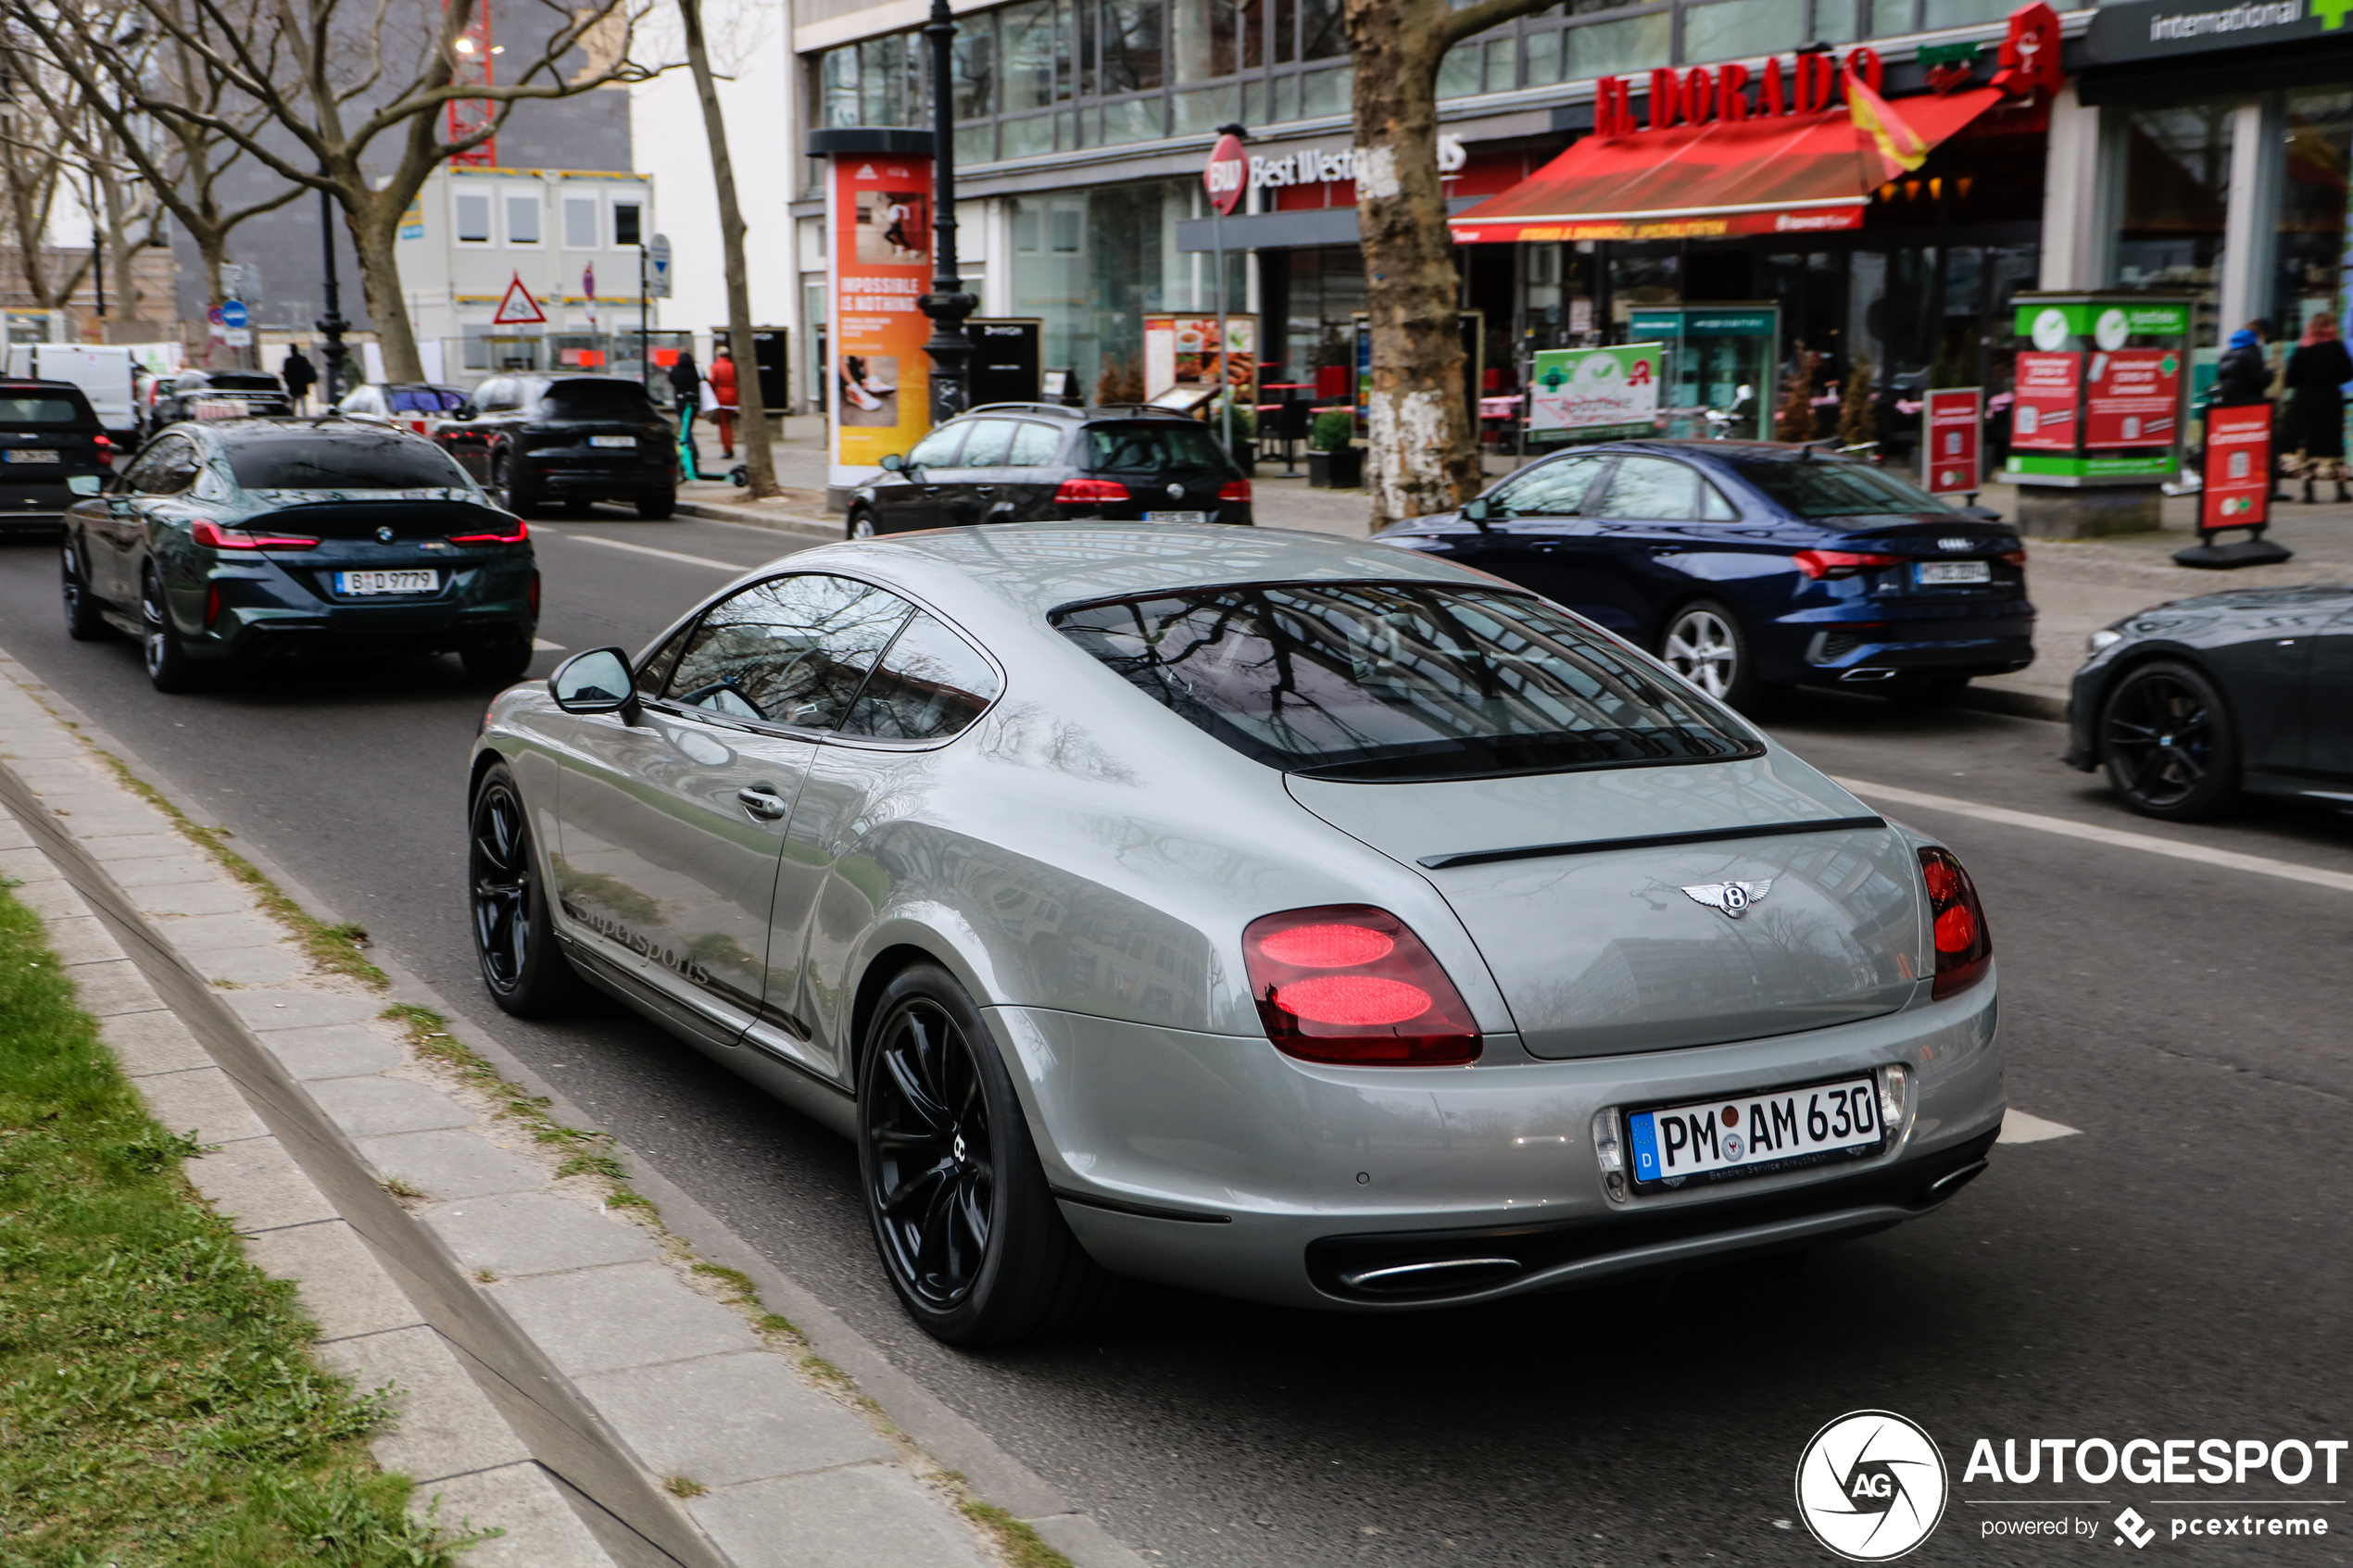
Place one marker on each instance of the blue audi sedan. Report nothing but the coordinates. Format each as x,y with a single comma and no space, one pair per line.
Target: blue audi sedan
1748,566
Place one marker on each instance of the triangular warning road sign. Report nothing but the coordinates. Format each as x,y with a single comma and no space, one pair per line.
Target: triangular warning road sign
517,308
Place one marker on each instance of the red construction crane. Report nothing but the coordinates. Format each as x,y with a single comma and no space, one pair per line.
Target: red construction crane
468,116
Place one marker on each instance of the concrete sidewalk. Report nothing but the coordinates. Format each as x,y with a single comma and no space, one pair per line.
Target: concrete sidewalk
571,1370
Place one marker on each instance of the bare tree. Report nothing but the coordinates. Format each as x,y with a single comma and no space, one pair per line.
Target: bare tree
35,167
1425,457
759,464
346,105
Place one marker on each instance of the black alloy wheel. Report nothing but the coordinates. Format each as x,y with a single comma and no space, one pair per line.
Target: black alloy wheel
861,525
2169,742
503,484
85,623
514,936
969,1234
169,667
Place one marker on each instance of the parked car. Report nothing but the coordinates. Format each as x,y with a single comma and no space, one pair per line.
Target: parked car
106,374
216,395
2188,703
1748,565
1260,913
1017,462
51,442
266,538
578,440
416,406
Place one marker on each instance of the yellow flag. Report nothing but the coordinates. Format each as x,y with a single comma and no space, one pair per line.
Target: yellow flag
1897,142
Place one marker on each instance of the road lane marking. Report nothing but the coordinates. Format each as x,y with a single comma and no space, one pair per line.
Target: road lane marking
2019,1127
2229,860
649,550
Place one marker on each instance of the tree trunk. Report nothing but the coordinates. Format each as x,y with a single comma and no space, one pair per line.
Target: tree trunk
374,224
751,410
1423,456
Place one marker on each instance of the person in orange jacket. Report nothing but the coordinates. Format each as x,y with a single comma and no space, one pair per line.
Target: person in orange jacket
723,386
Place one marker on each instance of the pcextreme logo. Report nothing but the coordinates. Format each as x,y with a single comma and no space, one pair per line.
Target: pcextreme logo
1872,1485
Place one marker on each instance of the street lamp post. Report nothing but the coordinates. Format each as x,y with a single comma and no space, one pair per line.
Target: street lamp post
330,325
951,347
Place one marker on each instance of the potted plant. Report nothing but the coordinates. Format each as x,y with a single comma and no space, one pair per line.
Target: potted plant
1245,449
1334,462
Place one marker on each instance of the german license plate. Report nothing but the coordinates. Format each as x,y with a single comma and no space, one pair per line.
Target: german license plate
388,581
1937,573
1751,1134
612,440
31,455
1176,517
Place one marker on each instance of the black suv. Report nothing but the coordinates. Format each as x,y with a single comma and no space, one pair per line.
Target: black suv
49,436
575,439
1019,462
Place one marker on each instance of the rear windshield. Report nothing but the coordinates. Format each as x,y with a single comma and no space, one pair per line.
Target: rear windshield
43,411
596,400
1834,488
1151,449
343,461
1386,681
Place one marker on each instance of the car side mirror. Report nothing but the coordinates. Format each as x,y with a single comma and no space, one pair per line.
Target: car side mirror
893,463
596,682
86,483
1478,512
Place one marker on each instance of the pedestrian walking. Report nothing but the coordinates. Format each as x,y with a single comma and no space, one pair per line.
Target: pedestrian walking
2242,375
685,385
2314,426
300,375
723,395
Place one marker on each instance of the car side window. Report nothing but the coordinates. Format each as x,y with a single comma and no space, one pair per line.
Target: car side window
140,477
930,684
1034,446
1555,489
1713,506
937,450
791,650
654,673
167,467
1650,489
986,445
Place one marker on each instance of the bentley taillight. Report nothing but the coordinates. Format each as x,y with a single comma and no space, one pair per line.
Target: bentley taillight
1956,925
1351,984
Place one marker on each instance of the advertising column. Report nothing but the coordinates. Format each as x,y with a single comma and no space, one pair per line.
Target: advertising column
877,268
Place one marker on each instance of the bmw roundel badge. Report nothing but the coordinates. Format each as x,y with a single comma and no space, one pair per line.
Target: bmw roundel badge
384,534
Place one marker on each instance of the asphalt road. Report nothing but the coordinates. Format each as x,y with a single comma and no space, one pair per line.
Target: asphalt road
2176,1268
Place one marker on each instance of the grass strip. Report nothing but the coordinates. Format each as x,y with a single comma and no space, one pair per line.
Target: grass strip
335,947
158,1404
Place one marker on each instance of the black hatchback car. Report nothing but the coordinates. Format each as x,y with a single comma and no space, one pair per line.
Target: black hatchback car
49,438
1020,462
577,440
1749,565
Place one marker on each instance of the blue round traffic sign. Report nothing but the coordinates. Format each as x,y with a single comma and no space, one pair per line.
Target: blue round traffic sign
233,313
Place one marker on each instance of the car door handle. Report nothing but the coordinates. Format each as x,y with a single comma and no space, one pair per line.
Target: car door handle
763,802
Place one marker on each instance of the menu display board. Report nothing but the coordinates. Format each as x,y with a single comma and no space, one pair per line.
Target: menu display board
2238,467
2047,394
2134,398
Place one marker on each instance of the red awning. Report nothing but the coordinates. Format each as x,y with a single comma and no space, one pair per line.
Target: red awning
1768,174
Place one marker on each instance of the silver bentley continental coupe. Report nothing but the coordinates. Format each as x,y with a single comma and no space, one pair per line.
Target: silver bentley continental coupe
1248,910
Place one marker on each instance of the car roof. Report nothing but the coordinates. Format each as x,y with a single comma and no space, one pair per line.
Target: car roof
1721,451
1081,416
283,427
1034,567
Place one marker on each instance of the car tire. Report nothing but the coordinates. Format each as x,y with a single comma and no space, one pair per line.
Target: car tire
861,524
519,502
523,965
169,667
654,509
1704,643
84,621
497,664
2169,742
970,1237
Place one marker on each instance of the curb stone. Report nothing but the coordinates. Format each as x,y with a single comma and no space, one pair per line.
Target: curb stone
570,1460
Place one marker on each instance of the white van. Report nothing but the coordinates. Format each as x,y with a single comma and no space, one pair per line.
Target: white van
101,370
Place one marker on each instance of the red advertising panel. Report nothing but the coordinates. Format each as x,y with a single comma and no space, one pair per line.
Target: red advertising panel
1948,459
879,209
2049,387
2238,467
2134,398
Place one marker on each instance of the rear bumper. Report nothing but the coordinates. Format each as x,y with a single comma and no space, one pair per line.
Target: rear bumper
571,475
1215,1163
1831,657
248,633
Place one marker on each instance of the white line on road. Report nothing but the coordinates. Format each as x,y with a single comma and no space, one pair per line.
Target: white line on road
649,550
2019,1127
2229,860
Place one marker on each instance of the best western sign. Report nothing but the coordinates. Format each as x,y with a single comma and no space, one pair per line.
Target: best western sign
2153,30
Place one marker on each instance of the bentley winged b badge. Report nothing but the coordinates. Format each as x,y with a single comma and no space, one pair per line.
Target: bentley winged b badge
1732,898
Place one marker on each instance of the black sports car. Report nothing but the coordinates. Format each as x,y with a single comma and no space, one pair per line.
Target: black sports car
2191,701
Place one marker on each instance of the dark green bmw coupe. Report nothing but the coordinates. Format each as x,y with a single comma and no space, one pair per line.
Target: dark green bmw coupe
257,538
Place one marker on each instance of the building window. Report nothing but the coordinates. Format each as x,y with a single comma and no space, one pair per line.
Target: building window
1131,45
523,219
976,66
580,223
2319,140
627,225
2177,191
473,218
1734,30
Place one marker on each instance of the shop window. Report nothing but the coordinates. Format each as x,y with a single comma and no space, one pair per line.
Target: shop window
1617,48
1068,228
1323,30
1733,30
473,218
976,66
1131,46
2177,189
1201,40
523,219
2317,131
